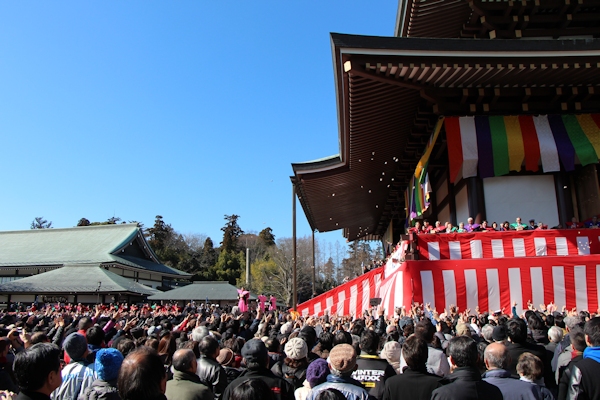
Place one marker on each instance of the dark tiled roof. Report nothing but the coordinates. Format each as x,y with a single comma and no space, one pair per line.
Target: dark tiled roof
79,245
76,279
213,290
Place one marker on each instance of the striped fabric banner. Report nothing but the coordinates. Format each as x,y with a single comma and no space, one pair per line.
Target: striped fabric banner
542,243
494,284
350,298
495,145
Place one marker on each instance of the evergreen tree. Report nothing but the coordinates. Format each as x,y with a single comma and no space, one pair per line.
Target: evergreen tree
231,233
83,222
208,258
41,223
267,237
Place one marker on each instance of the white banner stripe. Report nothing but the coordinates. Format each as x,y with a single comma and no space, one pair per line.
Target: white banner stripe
516,291
428,288
455,252
537,285
353,297
329,305
497,248
583,245
366,296
562,249
468,136
540,246
548,152
471,288
519,247
449,287
581,300
317,308
399,295
493,289
558,279
340,304
476,249
434,250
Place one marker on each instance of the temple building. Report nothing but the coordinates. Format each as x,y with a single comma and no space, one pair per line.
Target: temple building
496,98
105,263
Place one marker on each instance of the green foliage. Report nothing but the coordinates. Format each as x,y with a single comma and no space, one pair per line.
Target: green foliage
83,222
40,223
267,237
228,267
231,234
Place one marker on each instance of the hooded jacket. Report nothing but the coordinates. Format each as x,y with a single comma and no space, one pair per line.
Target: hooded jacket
584,382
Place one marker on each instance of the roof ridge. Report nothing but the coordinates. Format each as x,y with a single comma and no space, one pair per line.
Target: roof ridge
108,226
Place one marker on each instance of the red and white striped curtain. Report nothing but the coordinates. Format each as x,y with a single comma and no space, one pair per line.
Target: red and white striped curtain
350,298
457,246
493,284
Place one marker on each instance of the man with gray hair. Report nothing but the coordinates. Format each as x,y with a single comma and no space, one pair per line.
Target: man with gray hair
496,359
487,332
199,332
185,384
570,323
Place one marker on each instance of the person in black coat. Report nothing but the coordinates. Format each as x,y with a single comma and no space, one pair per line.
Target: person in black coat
415,382
465,380
518,344
37,370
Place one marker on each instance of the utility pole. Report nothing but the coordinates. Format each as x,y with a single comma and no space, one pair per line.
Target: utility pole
294,282
314,266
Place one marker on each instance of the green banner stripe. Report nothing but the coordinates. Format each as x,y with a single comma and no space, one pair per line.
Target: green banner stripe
499,146
583,148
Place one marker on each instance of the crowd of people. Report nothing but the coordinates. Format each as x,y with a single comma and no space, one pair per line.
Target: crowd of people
518,225
212,353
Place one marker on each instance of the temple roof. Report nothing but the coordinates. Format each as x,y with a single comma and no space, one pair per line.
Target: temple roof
79,279
201,290
122,243
502,19
390,93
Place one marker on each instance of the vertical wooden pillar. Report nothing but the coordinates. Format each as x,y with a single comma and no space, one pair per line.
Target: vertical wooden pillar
451,200
588,192
564,200
476,199
294,282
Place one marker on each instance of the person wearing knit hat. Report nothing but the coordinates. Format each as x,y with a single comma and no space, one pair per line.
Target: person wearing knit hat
227,360
296,349
78,374
391,353
316,373
108,363
293,367
341,362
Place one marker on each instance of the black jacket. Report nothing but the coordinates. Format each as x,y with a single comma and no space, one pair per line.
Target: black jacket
295,376
372,372
281,389
412,385
516,349
584,382
466,384
100,390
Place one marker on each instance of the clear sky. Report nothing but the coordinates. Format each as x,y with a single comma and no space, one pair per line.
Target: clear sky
187,109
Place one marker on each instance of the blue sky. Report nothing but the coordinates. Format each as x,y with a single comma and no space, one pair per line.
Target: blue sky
187,109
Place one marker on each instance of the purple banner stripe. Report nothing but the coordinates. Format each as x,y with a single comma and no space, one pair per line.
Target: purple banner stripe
484,147
566,151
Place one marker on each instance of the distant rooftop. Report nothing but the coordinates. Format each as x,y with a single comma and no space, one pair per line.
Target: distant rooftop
120,243
201,290
77,279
